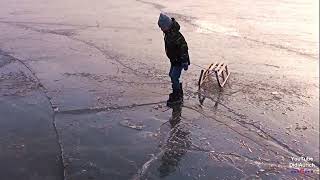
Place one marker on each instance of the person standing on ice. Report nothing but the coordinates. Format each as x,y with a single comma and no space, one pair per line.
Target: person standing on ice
176,49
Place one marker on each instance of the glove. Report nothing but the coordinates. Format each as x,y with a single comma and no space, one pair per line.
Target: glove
185,61
185,66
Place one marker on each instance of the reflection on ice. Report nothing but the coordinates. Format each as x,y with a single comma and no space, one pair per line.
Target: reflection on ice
176,146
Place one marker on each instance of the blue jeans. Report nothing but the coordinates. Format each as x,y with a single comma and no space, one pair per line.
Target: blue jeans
175,73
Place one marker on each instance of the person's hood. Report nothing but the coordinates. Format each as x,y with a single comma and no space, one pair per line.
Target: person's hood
175,27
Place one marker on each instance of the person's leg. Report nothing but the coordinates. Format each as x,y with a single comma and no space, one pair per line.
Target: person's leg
181,91
175,73
171,72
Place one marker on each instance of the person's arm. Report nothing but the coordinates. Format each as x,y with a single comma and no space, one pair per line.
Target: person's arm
184,55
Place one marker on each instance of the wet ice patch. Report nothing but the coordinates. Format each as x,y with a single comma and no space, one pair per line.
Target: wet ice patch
137,126
4,60
148,134
15,80
208,27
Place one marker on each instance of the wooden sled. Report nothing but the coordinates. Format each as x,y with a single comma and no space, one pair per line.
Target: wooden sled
219,70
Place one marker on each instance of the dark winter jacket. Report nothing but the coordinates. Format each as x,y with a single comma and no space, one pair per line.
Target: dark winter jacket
176,46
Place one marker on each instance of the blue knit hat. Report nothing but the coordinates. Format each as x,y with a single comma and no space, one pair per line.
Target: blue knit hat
164,21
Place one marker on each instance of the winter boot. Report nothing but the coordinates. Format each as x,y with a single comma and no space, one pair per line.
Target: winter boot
174,99
181,92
